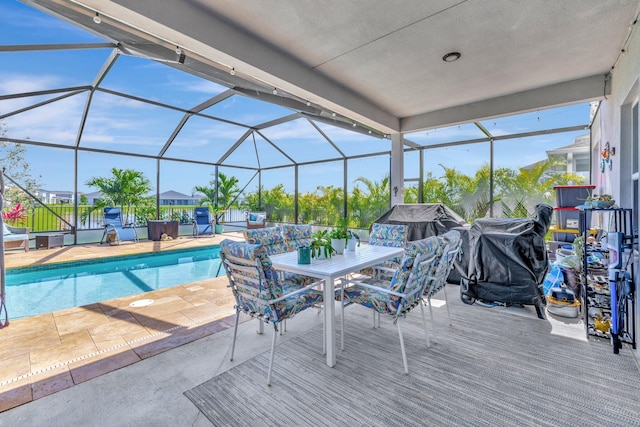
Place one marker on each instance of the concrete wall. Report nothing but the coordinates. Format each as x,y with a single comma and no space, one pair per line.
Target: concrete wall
616,128
615,120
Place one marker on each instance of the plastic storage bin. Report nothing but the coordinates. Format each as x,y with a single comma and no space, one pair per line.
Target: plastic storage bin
569,196
567,218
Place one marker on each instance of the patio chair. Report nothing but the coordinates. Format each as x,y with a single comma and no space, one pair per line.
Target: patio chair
15,237
260,292
398,296
296,235
387,235
273,239
256,220
202,223
450,244
114,229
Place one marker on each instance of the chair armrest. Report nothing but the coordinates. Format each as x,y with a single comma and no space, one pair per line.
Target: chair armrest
18,230
375,288
297,291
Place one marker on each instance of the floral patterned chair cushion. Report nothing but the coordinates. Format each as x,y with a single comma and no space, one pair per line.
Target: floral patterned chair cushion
387,235
273,240
381,300
270,237
296,235
260,292
253,299
450,245
398,296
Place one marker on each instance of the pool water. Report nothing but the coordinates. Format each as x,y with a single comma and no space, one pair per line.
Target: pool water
46,288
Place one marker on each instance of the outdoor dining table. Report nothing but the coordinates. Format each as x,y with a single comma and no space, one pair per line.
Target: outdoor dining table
329,269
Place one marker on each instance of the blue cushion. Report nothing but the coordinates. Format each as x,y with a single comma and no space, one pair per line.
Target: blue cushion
253,217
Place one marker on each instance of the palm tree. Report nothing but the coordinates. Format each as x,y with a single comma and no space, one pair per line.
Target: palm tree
221,199
209,193
331,200
126,188
378,195
521,190
468,196
227,190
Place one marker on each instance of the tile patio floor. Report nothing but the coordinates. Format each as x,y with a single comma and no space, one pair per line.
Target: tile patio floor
44,354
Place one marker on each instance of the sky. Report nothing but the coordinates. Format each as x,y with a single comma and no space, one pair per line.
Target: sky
118,123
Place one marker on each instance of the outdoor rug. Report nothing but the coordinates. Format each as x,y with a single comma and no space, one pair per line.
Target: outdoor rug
491,368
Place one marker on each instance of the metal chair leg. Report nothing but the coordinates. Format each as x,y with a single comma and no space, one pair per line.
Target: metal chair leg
424,323
235,333
341,319
446,301
404,353
273,351
433,324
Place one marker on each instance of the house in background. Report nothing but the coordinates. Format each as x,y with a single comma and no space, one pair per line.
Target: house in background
92,198
175,198
167,198
55,197
574,156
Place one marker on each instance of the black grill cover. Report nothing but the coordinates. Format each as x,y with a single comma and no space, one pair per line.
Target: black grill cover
431,219
424,220
508,259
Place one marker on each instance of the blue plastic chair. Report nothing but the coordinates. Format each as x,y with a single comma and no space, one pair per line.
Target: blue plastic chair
202,223
115,229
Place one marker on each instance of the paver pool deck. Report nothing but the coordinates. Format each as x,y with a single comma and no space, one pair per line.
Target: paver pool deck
44,354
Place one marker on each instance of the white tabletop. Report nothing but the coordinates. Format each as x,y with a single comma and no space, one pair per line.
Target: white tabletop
338,265
330,269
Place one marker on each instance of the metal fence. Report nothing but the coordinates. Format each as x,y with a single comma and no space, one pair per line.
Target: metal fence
40,220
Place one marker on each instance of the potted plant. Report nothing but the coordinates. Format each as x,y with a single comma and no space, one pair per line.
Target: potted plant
321,244
601,201
219,215
352,240
339,238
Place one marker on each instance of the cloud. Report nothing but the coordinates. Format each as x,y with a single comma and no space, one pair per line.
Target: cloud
11,84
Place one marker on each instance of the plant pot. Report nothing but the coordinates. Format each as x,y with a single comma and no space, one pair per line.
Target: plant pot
338,245
304,255
602,204
219,228
351,244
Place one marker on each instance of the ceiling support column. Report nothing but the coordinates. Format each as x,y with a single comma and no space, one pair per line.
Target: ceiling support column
397,169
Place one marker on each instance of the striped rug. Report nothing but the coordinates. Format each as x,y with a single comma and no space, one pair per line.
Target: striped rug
491,368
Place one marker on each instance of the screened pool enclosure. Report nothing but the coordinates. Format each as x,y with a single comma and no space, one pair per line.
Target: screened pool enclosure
77,105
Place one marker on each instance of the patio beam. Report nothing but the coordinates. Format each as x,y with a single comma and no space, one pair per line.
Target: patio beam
565,93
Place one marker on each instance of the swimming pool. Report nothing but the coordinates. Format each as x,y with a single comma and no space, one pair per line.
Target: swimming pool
46,288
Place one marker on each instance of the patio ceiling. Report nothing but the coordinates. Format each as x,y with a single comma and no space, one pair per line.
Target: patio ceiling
379,63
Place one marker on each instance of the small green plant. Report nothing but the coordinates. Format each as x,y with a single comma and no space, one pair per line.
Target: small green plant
353,235
321,244
338,233
341,231
600,198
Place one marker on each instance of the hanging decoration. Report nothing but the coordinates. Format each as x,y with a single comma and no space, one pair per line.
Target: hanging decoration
605,158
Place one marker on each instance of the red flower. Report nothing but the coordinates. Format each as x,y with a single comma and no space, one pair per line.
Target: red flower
15,214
